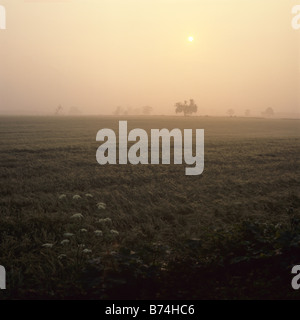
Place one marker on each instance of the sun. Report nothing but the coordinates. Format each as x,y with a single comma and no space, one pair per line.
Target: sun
191,39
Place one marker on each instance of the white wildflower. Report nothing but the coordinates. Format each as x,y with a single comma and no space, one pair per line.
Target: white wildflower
114,232
62,256
106,220
87,251
66,241
62,196
68,235
98,233
88,195
77,216
101,205
47,245
76,197
83,230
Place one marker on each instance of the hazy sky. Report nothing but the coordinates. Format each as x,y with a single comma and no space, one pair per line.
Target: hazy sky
99,54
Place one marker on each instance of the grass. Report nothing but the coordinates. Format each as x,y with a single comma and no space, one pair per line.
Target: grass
230,233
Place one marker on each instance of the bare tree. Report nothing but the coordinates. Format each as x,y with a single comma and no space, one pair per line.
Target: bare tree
58,110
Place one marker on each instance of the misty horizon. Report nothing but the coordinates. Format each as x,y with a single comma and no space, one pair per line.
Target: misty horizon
106,54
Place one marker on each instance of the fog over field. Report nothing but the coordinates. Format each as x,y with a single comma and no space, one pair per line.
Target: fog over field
92,207
91,57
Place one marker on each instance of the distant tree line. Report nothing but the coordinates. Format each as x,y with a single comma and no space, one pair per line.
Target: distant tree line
188,108
269,112
145,110
73,111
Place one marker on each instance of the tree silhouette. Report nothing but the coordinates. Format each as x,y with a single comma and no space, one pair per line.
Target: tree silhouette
269,112
147,110
74,111
247,113
119,110
230,112
58,110
186,108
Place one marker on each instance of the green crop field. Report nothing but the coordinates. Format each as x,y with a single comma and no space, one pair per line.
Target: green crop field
71,228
